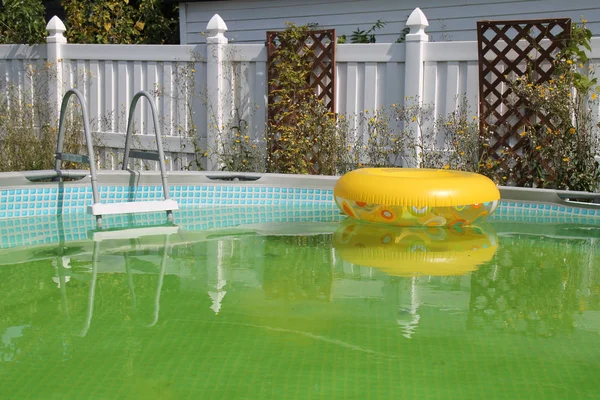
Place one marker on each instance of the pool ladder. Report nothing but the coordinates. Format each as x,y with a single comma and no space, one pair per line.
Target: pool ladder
98,209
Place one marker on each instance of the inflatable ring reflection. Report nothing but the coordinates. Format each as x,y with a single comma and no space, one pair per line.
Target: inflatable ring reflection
406,251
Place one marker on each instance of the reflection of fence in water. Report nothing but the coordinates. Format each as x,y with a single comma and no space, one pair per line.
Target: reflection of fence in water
539,294
298,267
534,285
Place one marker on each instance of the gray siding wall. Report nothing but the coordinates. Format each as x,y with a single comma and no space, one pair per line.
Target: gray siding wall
449,20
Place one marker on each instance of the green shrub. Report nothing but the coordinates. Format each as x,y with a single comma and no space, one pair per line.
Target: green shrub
560,145
300,133
238,151
29,125
121,22
22,22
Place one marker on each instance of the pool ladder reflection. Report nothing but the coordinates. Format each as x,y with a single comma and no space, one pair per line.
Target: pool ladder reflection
98,237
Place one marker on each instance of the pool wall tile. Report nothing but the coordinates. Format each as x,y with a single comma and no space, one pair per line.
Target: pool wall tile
74,199
35,211
40,211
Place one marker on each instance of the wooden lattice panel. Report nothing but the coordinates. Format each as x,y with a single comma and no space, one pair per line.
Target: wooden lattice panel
319,51
319,48
510,49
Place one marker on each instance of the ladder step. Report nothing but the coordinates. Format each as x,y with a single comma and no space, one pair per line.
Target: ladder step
75,158
132,207
144,155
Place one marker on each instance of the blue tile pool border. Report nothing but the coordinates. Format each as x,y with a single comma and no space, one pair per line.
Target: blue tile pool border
29,202
31,215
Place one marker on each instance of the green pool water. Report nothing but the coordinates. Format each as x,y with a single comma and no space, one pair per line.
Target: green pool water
282,313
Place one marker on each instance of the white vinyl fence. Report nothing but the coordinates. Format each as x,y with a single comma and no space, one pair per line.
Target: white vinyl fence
197,87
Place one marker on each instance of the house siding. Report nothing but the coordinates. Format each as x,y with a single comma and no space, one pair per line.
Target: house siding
449,20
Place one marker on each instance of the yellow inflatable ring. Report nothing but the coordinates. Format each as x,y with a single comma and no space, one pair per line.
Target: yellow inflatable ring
415,251
416,196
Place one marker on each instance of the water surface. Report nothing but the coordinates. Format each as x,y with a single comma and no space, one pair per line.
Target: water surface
285,311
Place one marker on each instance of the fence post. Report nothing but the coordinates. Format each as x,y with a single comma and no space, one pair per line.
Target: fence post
54,42
215,53
413,78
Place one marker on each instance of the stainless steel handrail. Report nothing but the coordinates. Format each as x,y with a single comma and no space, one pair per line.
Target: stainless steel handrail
159,146
88,140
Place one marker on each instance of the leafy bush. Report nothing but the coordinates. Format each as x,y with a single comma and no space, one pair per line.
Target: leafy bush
121,22
28,125
300,133
560,145
22,22
238,151
367,36
386,137
461,139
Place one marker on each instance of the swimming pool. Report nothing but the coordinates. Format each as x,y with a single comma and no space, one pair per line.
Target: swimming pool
253,295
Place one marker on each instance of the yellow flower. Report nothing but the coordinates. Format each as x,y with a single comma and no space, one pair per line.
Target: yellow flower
414,119
548,130
504,178
572,131
581,65
474,117
594,96
569,62
566,159
523,133
538,147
